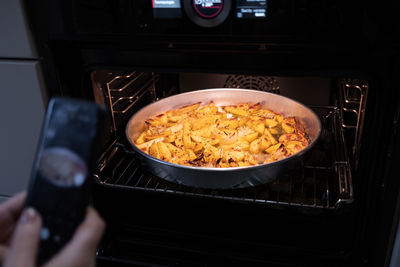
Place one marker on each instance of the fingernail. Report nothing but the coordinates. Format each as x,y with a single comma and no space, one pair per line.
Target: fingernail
28,215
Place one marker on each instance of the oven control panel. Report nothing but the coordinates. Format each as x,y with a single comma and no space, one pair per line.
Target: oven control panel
209,13
211,20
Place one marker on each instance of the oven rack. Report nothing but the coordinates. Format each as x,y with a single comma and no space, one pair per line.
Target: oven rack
124,91
352,105
323,182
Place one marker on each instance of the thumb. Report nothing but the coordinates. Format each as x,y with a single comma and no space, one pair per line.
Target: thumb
25,240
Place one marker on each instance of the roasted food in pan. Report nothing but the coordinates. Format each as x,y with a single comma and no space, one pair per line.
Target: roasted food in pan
231,101
206,135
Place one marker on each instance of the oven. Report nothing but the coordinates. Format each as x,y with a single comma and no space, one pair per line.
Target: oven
337,208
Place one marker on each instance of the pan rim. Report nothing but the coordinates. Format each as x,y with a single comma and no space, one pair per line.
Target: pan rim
227,169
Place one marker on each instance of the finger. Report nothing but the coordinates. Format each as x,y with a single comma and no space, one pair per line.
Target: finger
25,240
3,251
9,213
80,251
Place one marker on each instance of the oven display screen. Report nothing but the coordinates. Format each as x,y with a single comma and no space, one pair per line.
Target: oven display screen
251,9
167,8
208,8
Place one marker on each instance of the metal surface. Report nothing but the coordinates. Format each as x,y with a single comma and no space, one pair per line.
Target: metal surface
124,91
354,99
323,183
237,177
262,83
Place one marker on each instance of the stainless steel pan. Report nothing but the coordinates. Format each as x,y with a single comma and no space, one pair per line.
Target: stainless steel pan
223,178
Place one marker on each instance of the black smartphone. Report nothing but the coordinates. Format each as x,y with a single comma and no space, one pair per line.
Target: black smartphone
59,187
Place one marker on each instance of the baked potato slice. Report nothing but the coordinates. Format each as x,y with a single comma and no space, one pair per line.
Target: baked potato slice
231,124
270,137
208,109
186,109
153,150
230,155
264,143
164,153
259,127
255,146
203,140
284,138
173,149
146,146
294,146
179,140
241,112
287,127
187,141
140,139
272,149
274,131
204,132
249,159
251,137
279,118
211,153
271,123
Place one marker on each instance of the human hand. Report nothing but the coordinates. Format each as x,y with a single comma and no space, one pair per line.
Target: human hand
20,238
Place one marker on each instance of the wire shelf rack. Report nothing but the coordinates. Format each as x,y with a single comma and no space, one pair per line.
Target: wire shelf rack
322,182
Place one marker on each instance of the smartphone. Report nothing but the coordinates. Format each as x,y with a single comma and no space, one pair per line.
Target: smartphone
59,187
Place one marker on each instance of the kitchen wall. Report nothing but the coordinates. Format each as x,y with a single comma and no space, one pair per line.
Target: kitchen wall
23,99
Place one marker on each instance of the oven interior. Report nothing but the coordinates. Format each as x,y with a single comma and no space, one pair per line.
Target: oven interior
321,188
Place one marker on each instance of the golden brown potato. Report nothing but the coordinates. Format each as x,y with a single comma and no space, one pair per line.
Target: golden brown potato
274,131
228,124
186,109
232,155
238,111
271,123
273,148
287,128
153,151
163,151
251,137
279,118
294,146
268,134
179,140
264,143
140,139
255,146
284,138
259,127
208,109
146,146
173,149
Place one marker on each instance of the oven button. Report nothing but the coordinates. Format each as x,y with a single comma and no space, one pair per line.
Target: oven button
208,9
207,13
